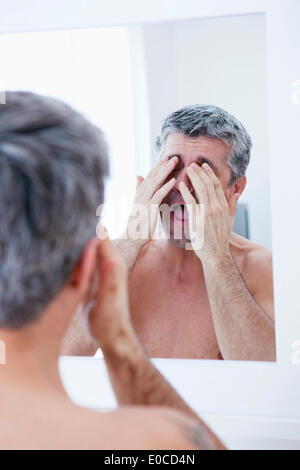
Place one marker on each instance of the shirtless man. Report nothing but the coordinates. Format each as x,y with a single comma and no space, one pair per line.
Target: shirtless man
210,303
52,168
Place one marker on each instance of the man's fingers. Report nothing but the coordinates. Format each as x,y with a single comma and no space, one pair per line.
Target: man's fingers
217,184
208,183
187,196
109,259
139,181
164,171
156,169
192,207
160,195
199,186
164,159
158,176
101,232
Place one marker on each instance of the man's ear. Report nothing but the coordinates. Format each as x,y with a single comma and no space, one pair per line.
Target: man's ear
239,186
83,272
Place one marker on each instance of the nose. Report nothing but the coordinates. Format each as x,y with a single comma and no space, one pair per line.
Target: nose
182,177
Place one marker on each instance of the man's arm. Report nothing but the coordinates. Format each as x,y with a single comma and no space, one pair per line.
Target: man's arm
134,378
244,330
137,382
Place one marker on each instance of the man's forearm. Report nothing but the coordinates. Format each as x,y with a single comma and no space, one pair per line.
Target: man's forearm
137,382
244,331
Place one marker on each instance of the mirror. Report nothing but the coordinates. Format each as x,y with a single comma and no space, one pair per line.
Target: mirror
128,80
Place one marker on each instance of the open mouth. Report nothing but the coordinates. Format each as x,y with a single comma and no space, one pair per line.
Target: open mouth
180,213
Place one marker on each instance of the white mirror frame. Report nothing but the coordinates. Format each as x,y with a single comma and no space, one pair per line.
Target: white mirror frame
257,390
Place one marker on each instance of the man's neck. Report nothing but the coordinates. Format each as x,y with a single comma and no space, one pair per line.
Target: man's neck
184,263
30,364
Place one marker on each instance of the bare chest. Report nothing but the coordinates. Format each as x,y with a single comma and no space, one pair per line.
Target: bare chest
173,320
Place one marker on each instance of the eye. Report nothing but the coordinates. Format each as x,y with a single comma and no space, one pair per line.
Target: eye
176,171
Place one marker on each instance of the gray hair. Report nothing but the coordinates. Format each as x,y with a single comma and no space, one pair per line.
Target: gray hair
211,121
53,165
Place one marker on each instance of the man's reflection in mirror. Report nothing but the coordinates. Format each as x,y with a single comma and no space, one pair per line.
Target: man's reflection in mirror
208,293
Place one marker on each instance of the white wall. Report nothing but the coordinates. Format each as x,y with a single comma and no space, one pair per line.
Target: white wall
34,15
91,70
219,61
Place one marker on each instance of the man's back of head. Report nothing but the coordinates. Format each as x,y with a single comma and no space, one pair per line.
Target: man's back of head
52,168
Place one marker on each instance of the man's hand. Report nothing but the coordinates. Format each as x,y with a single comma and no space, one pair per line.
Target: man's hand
144,215
211,217
109,319
150,194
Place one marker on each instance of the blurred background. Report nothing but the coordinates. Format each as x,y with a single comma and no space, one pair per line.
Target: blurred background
127,79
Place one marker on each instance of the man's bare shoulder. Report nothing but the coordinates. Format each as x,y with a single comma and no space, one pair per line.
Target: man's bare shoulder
251,255
151,428
138,428
256,265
